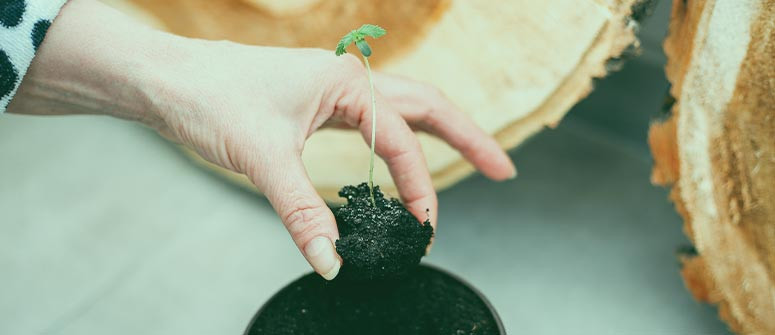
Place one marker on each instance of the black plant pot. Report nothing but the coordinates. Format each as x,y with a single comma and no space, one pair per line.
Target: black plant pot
428,301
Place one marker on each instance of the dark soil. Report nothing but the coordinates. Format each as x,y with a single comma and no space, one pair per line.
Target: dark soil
425,302
377,242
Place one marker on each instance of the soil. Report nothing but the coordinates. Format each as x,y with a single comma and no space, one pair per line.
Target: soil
426,301
379,241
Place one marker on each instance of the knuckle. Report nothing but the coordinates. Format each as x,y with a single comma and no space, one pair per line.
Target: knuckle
341,67
399,156
439,101
349,70
435,92
349,62
355,101
351,87
430,117
304,219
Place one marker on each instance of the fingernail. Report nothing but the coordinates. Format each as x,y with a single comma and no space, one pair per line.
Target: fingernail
513,174
322,256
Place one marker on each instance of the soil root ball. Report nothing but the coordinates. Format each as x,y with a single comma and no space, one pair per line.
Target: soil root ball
379,241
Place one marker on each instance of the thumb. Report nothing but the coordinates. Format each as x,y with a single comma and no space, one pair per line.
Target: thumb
306,216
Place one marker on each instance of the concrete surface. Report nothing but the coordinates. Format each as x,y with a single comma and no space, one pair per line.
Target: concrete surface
106,229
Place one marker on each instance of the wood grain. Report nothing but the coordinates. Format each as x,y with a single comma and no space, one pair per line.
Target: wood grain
516,67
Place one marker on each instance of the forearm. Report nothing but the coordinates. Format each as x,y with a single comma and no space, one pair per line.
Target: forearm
92,61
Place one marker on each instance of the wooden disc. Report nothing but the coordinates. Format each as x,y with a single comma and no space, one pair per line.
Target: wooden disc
717,150
515,67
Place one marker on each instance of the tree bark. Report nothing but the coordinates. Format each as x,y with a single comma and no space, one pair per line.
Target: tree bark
717,151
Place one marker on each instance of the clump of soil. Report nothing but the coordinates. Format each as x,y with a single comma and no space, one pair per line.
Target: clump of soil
379,241
425,302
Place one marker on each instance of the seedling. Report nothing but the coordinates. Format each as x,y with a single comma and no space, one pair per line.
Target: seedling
379,237
358,36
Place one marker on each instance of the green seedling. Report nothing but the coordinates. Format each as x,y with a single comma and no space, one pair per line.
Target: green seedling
358,36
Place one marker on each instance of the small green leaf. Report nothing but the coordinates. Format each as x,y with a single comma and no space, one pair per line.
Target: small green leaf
372,30
341,47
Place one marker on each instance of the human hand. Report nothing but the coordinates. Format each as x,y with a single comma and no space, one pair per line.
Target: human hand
250,109
258,105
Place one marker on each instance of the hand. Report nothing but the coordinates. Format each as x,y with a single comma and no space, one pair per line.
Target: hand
250,109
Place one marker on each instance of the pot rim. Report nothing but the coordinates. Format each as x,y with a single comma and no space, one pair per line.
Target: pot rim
479,294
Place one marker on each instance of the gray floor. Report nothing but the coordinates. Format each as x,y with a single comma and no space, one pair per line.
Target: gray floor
106,229
580,243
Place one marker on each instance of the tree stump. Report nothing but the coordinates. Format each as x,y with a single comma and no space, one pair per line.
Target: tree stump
515,67
717,151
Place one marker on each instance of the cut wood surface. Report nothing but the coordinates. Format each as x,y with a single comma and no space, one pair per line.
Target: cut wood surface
515,67
717,150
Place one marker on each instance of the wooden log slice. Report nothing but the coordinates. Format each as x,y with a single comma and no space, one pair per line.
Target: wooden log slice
717,150
514,66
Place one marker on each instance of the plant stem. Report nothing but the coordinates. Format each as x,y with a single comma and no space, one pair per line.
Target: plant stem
373,130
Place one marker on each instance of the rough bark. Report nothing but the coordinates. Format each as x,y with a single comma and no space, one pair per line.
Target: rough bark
717,150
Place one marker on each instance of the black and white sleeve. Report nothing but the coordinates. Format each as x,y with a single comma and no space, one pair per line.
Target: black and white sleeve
23,25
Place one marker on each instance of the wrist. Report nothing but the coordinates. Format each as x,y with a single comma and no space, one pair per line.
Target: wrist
92,61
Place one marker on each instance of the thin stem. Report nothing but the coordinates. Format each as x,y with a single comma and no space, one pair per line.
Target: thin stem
373,130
